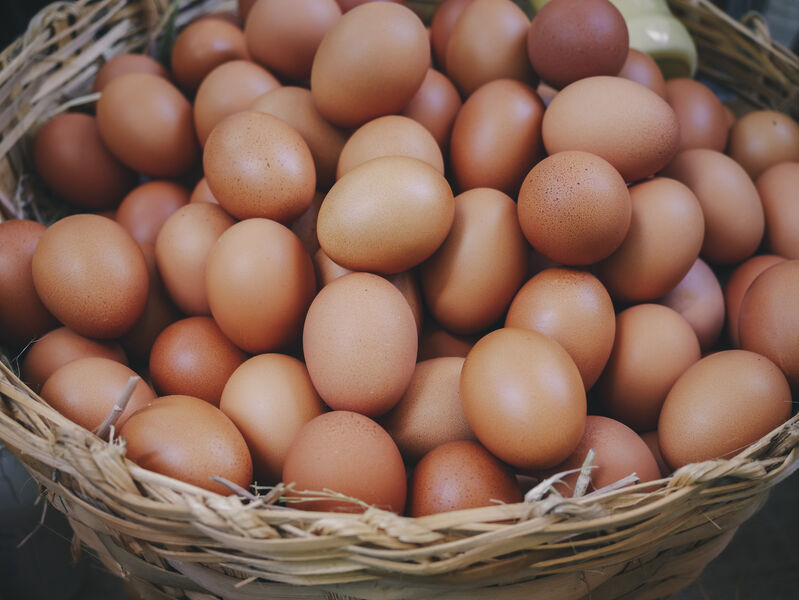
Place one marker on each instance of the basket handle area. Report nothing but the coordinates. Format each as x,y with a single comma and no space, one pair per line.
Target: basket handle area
757,24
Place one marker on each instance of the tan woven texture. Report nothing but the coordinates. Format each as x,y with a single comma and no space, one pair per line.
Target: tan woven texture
172,540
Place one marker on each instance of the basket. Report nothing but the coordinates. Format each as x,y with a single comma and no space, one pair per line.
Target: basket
171,540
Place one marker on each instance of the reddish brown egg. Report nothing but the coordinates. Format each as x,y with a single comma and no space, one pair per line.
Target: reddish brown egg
244,7
435,106
778,187
762,139
736,287
651,440
435,342
350,454
326,270
447,13
703,123
123,64
641,68
202,193
190,440
146,208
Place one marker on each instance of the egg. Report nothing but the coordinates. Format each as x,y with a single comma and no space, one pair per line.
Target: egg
147,207
350,454
201,47
777,187
720,405
122,64
435,342
762,139
641,68
523,398
202,193
190,440
703,123
736,286
651,440
444,19
460,475
435,105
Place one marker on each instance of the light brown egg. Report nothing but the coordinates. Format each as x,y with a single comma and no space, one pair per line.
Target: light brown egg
269,398
574,208
435,106
496,137
190,440
202,193
181,252
523,398
736,286
435,342
201,47
122,64
259,166
85,391
663,242
719,406
447,13
574,309
734,221
353,83
407,282
778,187
641,68
91,275
147,207
762,139
620,120
147,123
348,453
703,123
305,226
654,345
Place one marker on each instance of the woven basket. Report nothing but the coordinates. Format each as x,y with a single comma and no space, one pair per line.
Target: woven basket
171,540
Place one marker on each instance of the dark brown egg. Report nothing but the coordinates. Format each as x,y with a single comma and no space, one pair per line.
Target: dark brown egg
641,68
244,7
762,139
435,106
778,187
736,287
703,123
123,64
447,13
146,208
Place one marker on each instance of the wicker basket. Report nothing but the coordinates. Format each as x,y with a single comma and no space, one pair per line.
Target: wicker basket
172,540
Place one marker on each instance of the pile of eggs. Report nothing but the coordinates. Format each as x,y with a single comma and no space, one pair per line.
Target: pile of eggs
422,288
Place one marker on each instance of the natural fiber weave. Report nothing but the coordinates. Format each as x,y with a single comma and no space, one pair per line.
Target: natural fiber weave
172,540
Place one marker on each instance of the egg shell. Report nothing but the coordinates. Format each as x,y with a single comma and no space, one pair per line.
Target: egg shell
270,397
736,286
435,342
574,208
23,317
620,120
244,7
654,346
720,405
666,232
460,475
60,346
444,19
202,193
122,64
147,123
435,105
257,165
574,309
652,441
347,453
369,64
496,137
259,281
188,439
523,398
734,219
91,274
762,139
85,391
386,215
703,123
778,187
305,226
147,207
641,68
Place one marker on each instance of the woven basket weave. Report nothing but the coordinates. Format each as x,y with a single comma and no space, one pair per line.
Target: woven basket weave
172,540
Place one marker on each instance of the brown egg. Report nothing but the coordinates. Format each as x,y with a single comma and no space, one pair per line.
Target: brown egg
348,453
736,287
429,413
201,47
305,226
663,242
259,166
734,221
572,39
574,208
703,123
471,279
61,346
651,440
202,193
146,208
762,139
435,342
231,87
360,344
269,398
496,137
619,452
296,107
435,106
283,35
523,398
73,161
181,251
641,68
244,7
123,64
777,187
769,318
228,16
460,475
190,440
654,345
574,309
259,281
387,215
498,25
447,13
353,83
146,122
722,404
85,391
23,317
698,298
91,275
192,357
620,120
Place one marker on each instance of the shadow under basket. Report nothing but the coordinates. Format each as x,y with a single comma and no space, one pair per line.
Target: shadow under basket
171,540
